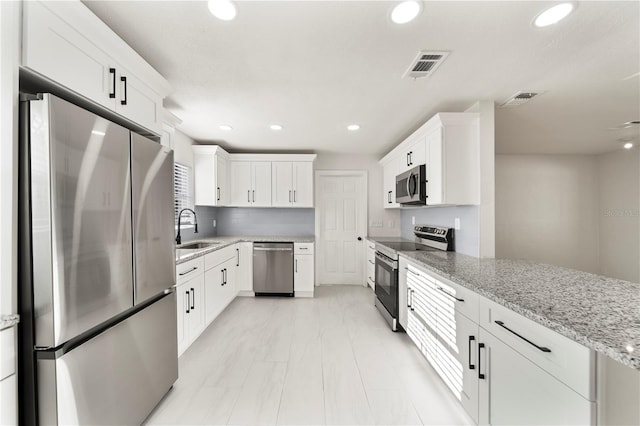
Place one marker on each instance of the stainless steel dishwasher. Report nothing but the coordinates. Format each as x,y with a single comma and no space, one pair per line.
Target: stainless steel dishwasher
273,269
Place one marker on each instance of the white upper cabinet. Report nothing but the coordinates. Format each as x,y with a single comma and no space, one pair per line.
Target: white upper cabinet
448,144
413,155
292,184
240,183
282,182
211,175
303,184
390,171
271,180
250,183
67,44
261,183
453,159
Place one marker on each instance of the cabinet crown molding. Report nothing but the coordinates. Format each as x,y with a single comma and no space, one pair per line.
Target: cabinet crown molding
438,120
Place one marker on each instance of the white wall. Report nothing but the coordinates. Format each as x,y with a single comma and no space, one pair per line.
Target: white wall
376,212
619,215
547,209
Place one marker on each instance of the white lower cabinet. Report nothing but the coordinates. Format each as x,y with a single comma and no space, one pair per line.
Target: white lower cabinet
370,266
515,391
303,270
244,275
190,306
220,287
502,367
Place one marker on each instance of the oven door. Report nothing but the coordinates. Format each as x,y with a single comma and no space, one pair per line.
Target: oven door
387,283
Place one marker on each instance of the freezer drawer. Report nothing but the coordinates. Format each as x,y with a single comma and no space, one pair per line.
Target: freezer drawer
115,378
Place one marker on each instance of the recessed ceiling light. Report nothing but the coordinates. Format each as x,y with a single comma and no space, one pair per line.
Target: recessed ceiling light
353,127
222,9
405,11
226,128
628,145
553,15
275,127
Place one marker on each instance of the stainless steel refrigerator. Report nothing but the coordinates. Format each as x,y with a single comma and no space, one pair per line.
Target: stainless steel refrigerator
97,268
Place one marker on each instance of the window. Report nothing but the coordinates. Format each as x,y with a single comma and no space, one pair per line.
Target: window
182,192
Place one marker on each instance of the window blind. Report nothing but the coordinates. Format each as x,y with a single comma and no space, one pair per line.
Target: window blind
182,192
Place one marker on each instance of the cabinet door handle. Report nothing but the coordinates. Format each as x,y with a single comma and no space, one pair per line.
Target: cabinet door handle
296,265
480,348
188,301
410,271
369,260
225,276
218,193
408,298
112,71
124,80
289,196
408,164
222,272
254,195
411,158
248,195
295,200
449,294
540,348
189,271
193,299
471,339
238,257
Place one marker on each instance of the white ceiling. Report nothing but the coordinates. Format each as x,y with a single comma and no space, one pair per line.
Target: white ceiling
316,66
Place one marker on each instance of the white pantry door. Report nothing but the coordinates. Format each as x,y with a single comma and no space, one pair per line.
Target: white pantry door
341,226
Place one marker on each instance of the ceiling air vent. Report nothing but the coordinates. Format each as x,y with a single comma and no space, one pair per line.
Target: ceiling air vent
519,99
425,64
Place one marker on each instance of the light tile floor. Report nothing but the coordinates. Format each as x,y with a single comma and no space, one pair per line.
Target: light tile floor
327,360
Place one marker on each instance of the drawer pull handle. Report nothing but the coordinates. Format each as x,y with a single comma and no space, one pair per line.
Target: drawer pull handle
373,263
414,273
541,348
471,339
189,271
480,347
450,295
112,95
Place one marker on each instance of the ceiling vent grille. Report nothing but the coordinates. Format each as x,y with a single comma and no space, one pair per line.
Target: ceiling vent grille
425,63
519,99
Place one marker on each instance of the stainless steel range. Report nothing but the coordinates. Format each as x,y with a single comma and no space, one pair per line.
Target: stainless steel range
386,277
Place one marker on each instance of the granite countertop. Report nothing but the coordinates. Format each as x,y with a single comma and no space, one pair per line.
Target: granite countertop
225,241
598,312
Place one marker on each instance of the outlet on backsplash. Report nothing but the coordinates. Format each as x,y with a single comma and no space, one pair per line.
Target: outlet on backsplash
376,224
391,224
214,223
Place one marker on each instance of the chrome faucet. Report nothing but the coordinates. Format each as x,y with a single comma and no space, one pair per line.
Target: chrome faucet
195,224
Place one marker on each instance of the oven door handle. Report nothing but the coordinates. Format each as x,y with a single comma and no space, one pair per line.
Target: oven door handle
387,262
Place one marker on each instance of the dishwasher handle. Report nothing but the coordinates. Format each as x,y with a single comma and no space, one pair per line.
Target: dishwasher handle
272,249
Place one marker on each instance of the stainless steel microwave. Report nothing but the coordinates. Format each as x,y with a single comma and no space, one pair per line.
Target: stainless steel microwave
411,186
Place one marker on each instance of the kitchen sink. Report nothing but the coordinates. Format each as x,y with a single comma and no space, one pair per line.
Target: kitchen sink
196,246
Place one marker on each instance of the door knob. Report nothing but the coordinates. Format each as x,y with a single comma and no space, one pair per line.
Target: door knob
359,238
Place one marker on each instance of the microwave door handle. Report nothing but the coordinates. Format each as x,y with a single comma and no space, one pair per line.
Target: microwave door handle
408,189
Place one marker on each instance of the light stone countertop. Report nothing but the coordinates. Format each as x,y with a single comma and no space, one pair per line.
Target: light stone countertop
598,312
225,241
